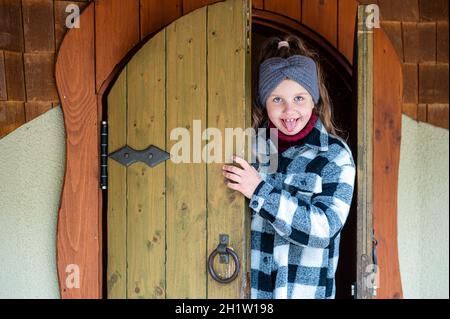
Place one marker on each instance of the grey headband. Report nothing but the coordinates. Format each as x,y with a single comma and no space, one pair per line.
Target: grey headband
299,68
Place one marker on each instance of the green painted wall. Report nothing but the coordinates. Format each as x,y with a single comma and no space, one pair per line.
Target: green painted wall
31,175
423,210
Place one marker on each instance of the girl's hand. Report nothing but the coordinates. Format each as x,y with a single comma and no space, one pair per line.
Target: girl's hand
244,180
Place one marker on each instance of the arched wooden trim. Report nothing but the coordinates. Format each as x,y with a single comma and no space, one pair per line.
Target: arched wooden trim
117,30
79,232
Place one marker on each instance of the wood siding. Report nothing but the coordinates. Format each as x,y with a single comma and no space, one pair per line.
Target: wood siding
84,89
39,36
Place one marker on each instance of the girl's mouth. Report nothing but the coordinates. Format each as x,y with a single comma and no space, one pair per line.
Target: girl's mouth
290,124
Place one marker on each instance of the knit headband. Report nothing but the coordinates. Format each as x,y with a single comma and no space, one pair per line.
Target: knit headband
299,68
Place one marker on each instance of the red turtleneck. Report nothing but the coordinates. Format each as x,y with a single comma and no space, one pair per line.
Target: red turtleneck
286,141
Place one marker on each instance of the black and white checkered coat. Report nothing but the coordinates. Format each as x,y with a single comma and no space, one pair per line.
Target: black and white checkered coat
297,215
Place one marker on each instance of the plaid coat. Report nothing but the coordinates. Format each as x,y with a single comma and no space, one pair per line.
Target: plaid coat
297,216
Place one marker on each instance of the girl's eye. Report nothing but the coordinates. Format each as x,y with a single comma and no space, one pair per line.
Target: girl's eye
299,98
276,99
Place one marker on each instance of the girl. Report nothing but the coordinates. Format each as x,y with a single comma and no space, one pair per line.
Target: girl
298,211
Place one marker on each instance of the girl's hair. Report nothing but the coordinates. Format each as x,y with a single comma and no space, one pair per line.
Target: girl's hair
270,49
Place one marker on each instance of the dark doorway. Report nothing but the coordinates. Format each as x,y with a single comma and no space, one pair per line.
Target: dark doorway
338,77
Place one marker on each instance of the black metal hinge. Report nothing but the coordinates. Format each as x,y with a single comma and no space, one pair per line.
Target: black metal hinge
126,155
353,292
104,155
151,156
374,287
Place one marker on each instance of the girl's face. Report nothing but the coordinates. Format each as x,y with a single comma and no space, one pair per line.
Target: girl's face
289,107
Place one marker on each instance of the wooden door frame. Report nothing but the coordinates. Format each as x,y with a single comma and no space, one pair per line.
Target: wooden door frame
82,91
364,91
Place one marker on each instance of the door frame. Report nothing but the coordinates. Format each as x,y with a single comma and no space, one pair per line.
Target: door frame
80,221
339,64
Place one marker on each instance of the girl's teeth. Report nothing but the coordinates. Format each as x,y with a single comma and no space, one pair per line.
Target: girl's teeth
290,124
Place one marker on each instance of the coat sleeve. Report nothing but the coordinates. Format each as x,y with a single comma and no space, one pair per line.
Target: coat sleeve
273,179
312,207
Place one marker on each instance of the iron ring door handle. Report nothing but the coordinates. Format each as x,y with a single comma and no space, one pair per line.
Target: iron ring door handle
213,273
224,251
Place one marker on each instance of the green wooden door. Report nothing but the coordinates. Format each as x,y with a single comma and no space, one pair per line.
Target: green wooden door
164,221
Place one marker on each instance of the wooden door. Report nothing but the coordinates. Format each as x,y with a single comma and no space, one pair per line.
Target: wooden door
164,221
363,69
379,99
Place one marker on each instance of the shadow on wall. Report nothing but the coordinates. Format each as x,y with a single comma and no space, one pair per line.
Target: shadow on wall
31,178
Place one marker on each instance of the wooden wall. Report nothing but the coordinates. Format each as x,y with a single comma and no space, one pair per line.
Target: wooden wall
32,30
30,34
418,29
26,88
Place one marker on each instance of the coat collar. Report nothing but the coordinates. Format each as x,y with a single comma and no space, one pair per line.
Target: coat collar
318,137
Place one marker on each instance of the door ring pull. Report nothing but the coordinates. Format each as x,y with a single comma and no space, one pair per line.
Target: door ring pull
224,251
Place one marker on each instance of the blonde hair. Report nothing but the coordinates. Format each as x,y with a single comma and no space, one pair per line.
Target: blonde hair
270,49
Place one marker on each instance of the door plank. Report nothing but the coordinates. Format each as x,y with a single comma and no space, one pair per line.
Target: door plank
227,67
146,185
117,207
388,92
186,182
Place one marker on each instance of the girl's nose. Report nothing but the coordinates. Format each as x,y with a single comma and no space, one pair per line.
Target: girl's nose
288,107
